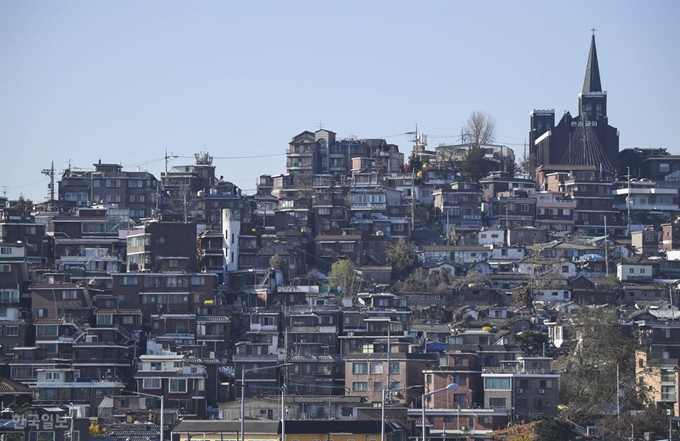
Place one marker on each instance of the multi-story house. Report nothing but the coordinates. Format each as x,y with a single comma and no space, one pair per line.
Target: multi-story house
554,211
527,385
183,183
70,301
460,254
108,183
330,211
511,209
311,336
20,227
657,379
502,182
458,206
331,248
647,242
16,330
91,265
61,385
594,201
181,380
671,236
260,353
462,410
162,246
635,270
645,201
294,194
89,228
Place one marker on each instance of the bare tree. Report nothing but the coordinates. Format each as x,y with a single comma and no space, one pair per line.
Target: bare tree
480,128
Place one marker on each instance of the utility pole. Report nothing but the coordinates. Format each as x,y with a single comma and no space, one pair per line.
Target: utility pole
628,201
50,173
606,246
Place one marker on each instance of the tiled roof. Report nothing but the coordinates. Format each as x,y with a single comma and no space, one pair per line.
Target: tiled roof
46,321
13,322
118,311
54,286
337,237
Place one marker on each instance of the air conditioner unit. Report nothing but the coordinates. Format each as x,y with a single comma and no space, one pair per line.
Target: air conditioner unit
519,391
541,391
91,338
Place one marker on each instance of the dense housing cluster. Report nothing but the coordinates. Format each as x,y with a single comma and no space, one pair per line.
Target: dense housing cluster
357,287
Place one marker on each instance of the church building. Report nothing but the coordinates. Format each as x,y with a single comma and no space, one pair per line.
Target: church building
587,139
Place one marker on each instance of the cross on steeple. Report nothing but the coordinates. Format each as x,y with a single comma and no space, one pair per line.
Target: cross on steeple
593,30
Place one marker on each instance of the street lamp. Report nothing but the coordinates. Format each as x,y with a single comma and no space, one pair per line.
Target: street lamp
384,395
144,394
451,386
243,407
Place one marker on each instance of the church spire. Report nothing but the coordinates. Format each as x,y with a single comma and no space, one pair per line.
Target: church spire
592,80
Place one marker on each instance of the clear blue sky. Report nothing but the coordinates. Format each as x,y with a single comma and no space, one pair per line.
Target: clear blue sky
122,81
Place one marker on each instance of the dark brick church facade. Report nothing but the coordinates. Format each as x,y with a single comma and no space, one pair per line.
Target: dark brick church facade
551,144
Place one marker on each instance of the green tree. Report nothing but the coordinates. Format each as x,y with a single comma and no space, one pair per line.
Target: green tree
590,364
23,204
415,163
343,276
277,262
474,165
554,429
533,343
401,256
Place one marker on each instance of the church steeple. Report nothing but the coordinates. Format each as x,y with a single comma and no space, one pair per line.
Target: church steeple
592,81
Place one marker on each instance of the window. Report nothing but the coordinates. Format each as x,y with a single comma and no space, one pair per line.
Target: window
152,383
525,207
565,268
460,379
128,320
128,280
70,294
5,250
46,330
668,393
155,365
377,385
359,368
497,402
394,367
360,386
44,436
178,385
496,383
376,368
113,198
459,399
173,263
664,167
5,268
52,375
113,183
104,319
12,331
